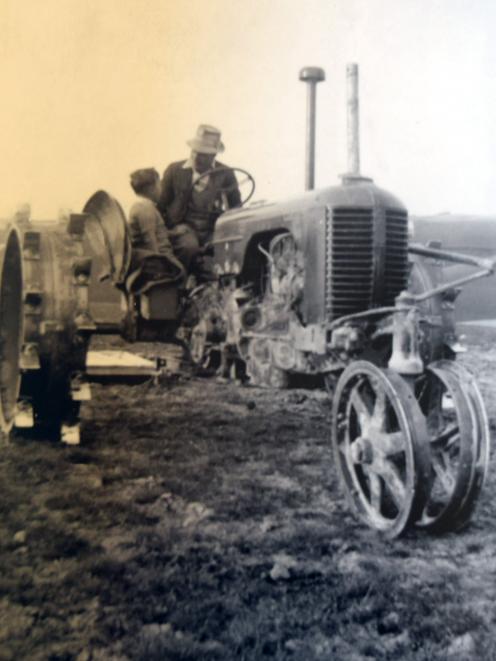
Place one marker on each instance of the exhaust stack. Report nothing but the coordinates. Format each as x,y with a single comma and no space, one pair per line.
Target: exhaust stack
353,127
311,76
353,122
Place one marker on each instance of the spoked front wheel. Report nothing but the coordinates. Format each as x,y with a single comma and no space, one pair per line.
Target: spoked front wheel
381,447
459,438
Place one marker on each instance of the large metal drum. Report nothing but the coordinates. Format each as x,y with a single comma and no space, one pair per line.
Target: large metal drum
45,327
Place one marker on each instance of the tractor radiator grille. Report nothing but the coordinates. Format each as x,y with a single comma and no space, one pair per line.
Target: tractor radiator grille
366,259
396,265
350,261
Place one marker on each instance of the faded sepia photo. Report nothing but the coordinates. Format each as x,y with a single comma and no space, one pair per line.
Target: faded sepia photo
247,330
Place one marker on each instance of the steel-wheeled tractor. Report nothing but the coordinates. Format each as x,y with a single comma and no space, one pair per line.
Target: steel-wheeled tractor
325,285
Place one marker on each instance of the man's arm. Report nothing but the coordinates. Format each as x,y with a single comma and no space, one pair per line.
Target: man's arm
166,195
176,184
233,195
164,245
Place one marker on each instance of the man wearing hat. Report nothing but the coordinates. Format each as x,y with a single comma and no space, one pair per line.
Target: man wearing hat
191,203
146,226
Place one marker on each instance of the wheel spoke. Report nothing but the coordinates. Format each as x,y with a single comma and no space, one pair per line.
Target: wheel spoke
379,414
447,437
443,473
423,389
393,443
360,407
375,483
393,482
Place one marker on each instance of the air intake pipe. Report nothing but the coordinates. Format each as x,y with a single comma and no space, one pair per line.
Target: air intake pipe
311,76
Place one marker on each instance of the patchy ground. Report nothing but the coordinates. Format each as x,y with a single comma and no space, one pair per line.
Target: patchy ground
201,520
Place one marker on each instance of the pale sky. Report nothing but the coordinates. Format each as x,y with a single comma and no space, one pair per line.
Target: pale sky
93,89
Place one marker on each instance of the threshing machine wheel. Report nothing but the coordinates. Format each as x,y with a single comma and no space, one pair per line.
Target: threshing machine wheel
381,447
459,439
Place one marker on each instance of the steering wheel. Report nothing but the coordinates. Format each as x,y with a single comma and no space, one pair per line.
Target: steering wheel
243,178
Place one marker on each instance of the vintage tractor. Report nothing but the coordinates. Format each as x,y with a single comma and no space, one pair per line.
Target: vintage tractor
319,286
324,285
327,285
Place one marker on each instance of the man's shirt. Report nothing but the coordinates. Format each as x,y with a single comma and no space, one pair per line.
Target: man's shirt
146,228
197,185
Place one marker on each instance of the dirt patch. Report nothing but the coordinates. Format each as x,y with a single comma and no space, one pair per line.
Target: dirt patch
201,520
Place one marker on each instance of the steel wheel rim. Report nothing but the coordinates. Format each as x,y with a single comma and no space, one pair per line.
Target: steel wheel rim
474,444
452,433
476,401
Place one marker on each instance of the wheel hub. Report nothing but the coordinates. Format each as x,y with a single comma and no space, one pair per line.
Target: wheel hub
362,451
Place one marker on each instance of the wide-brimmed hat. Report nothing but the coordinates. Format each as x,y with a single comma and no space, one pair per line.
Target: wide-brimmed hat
207,140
